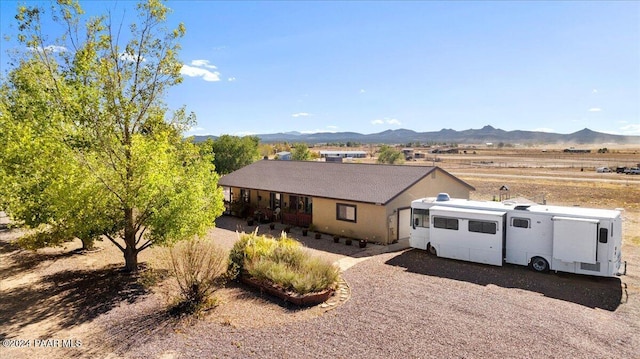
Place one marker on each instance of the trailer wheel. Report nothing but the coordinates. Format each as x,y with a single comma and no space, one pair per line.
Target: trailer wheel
539,264
431,250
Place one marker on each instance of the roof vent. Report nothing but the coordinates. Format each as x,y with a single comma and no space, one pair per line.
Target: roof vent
442,197
522,207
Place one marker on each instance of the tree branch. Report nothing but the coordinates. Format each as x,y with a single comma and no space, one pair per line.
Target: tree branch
114,242
146,245
140,235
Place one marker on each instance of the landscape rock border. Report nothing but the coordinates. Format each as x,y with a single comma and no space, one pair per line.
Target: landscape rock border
330,298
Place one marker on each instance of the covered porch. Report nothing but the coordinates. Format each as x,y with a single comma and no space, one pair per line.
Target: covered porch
265,206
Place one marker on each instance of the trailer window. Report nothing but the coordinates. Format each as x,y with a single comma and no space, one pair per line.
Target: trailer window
420,218
604,235
483,227
520,222
446,223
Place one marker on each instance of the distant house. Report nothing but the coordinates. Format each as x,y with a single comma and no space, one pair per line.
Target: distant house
408,153
343,154
348,199
284,156
575,150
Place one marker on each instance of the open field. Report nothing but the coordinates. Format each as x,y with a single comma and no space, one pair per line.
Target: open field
402,304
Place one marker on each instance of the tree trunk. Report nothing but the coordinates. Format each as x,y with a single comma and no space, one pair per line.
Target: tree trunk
87,244
130,250
130,260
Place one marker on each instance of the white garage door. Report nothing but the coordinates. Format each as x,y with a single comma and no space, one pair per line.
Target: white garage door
404,223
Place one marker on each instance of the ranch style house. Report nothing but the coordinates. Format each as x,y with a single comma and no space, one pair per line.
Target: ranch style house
360,201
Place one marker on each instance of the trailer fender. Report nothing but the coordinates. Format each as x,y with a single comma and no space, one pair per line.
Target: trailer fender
431,249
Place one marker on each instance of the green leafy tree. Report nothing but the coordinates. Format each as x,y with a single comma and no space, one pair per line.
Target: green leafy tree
390,155
231,153
300,152
92,137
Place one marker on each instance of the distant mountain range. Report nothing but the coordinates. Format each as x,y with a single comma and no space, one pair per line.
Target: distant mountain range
471,136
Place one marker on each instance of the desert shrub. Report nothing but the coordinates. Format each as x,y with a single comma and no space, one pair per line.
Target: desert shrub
281,261
196,266
237,256
316,275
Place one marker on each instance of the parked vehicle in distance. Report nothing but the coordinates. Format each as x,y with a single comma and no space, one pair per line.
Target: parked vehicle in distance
633,171
603,170
620,169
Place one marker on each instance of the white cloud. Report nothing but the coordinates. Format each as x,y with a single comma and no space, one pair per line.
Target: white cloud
301,114
199,72
203,63
544,129
129,57
631,130
388,121
231,79
50,49
197,131
594,91
331,127
595,109
362,91
244,133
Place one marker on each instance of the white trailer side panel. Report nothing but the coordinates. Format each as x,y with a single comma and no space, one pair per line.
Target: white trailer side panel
575,239
474,235
528,235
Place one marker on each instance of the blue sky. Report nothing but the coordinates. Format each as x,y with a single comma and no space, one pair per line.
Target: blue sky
265,67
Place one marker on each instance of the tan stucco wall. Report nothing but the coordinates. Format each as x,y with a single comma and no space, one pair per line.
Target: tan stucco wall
436,182
370,222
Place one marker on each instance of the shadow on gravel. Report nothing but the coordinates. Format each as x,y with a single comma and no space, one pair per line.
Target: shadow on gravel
22,260
589,291
72,297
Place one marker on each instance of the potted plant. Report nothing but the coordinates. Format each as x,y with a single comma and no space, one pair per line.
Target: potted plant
336,238
347,241
362,243
305,231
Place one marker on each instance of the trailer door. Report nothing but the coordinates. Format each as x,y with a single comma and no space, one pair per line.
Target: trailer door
575,239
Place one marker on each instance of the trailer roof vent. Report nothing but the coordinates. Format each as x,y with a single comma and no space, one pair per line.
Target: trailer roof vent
442,197
522,207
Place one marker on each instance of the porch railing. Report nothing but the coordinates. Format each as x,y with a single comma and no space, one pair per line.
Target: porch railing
297,219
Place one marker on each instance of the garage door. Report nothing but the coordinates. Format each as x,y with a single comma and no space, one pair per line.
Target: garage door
404,223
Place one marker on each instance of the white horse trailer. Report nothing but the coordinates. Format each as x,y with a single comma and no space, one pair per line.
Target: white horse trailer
566,239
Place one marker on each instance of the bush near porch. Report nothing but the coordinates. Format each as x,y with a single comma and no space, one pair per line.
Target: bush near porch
283,262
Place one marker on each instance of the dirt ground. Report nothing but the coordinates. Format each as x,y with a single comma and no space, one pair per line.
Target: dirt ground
58,302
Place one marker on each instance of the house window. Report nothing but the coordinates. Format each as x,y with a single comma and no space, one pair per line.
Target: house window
420,218
604,235
244,194
483,227
445,223
520,222
274,200
345,212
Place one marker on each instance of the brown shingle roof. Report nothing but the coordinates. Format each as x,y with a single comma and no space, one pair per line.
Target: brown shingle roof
357,182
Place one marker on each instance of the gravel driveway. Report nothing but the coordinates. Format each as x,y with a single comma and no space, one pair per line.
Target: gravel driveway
410,305
404,304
